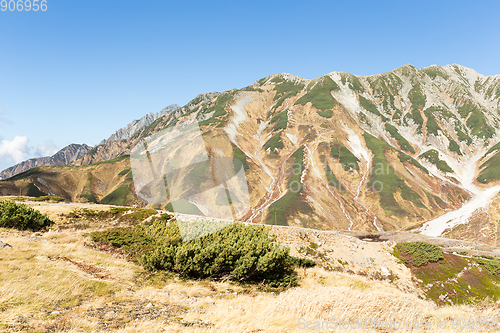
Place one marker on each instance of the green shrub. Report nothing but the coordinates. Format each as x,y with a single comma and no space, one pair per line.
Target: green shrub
491,171
344,155
237,252
22,217
320,95
274,143
418,253
403,143
490,263
453,146
48,198
368,105
432,156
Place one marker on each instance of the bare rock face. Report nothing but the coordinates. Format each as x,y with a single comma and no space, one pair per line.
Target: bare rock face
62,157
135,126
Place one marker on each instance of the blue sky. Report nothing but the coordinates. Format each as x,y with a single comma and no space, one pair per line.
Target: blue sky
84,68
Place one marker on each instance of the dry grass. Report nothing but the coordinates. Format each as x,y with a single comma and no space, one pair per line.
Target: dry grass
32,286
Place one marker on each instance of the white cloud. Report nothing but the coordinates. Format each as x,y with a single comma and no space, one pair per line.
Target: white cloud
48,149
17,149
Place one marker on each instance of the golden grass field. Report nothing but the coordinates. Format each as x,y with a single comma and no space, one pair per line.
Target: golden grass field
56,282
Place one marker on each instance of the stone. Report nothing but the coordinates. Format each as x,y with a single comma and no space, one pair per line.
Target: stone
3,245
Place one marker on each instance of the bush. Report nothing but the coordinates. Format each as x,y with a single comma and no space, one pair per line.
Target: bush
48,198
22,217
237,252
418,253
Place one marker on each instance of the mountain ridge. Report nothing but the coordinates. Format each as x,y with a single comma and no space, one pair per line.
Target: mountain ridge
136,125
389,151
62,157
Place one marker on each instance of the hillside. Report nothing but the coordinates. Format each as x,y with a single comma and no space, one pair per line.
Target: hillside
392,151
63,157
107,182
137,125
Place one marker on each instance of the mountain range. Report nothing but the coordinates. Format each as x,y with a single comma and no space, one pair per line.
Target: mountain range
413,149
63,157
74,151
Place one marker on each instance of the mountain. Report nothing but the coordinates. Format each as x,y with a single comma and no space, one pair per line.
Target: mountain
412,149
135,126
62,157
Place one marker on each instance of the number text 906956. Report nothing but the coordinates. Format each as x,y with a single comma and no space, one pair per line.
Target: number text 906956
23,5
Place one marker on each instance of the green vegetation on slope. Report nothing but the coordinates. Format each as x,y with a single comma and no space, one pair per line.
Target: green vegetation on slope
432,156
219,109
344,155
431,125
292,202
26,174
368,105
403,144
237,252
280,121
326,114
448,278
274,143
33,191
494,148
434,71
476,121
462,136
417,99
491,171
22,217
418,253
320,95
453,146
404,158
385,181
285,89
352,81
330,176
240,155
118,197
87,191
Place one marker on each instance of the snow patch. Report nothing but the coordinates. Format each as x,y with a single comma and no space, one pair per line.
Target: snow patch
291,137
460,216
240,115
357,147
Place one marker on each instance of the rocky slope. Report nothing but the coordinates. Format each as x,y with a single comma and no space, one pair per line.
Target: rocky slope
135,126
383,152
62,157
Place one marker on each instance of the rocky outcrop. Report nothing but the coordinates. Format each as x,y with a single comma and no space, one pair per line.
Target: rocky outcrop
135,126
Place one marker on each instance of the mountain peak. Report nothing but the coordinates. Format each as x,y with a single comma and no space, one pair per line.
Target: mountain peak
135,126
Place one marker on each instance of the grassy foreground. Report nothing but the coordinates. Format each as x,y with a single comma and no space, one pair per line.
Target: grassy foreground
60,282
